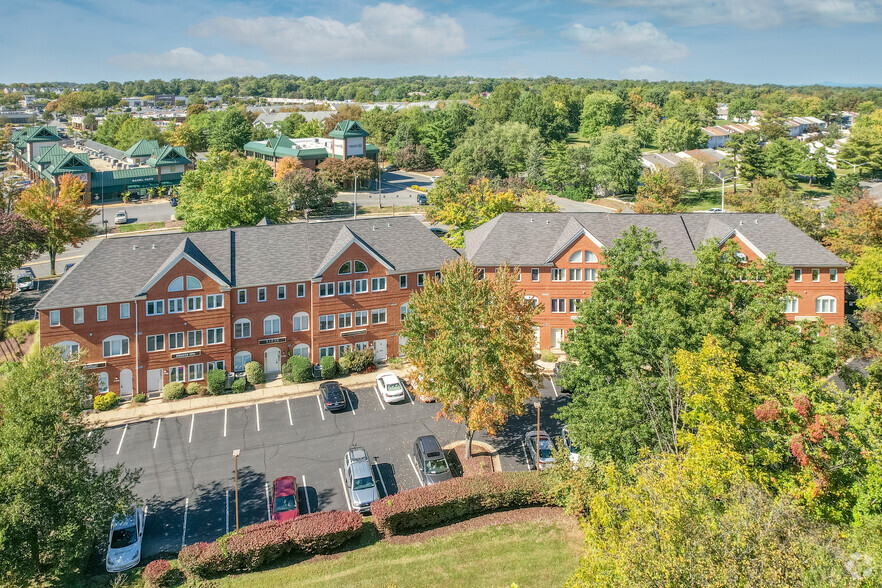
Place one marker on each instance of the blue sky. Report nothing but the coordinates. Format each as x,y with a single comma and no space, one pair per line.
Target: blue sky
753,41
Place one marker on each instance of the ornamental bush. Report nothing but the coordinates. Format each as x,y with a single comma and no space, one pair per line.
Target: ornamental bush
297,369
329,367
457,499
239,386
105,401
159,573
357,360
139,398
174,390
254,373
216,381
196,389
20,330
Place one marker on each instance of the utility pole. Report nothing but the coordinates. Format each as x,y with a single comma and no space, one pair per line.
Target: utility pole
538,406
236,473
355,197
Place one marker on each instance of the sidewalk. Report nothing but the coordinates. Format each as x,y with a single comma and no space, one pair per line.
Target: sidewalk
278,389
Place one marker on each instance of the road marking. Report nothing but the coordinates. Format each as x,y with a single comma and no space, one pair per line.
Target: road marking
321,408
526,457
290,420
192,421
227,526
306,495
409,395
345,493
383,404
156,437
257,412
225,422
266,490
184,534
126,428
553,387
415,470
379,475
349,400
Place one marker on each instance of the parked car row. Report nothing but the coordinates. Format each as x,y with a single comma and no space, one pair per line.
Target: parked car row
541,448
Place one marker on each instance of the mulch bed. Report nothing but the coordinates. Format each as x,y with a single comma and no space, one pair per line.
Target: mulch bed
480,463
11,350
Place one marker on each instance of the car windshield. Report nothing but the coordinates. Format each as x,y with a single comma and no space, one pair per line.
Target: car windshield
544,449
123,537
436,466
393,387
284,503
363,483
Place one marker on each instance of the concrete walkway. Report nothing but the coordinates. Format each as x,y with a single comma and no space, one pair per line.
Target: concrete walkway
278,389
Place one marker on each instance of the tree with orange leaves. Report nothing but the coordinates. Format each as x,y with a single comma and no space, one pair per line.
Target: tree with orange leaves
285,165
61,211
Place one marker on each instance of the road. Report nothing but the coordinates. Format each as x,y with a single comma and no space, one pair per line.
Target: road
395,190
139,212
188,479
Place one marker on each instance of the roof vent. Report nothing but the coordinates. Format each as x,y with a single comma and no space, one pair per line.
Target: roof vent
153,246
134,247
741,223
388,224
756,221
547,222
531,219
374,228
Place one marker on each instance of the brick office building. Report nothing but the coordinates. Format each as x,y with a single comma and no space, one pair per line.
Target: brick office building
560,256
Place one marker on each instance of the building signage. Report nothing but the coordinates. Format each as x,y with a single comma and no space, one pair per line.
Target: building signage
185,354
94,366
354,333
273,340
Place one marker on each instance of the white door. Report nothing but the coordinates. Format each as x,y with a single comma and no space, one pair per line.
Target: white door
379,350
272,360
125,384
556,338
536,332
154,380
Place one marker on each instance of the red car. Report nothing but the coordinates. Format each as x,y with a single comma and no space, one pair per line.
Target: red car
284,505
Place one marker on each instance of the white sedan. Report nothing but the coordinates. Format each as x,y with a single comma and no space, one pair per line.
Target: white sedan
390,387
124,544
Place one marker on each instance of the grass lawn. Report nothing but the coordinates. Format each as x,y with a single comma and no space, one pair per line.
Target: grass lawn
575,140
537,553
141,227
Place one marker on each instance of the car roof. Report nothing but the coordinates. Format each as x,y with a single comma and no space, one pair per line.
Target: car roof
387,376
429,444
121,521
360,468
357,453
332,385
284,484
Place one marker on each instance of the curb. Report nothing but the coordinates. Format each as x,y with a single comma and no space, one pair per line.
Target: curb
495,460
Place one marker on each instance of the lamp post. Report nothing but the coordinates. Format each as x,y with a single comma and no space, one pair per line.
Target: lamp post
355,197
236,474
538,406
854,166
723,191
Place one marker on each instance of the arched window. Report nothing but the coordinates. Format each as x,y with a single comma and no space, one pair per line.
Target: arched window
346,268
301,349
576,257
360,267
177,285
825,304
590,257
242,329
193,283
103,382
301,321
240,359
740,256
272,325
68,349
116,345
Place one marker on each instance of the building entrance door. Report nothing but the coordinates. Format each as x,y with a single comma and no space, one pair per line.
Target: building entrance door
272,360
379,350
154,380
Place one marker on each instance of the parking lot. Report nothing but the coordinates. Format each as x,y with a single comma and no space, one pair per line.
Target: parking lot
188,485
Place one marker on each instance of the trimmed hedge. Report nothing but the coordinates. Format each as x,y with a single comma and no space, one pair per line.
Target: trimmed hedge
251,547
196,389
297,369
329,367
254,373
216,381
105,401
174,390
457,499
357,360
159,573
238,386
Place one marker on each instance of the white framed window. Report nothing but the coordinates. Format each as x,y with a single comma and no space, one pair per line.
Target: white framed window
242,329
403,311
155,343
576,257
175,305
194,303
533,300
215,365
378,284
534,274
281,292
79,315
344,320
361,318
797,274
214,336
378,316
240,359
834,274
361,286
301,290
155,307
326,351
402,281
345,269
438,276
791,304
575,274
194,338
326,322
816,275
344,288
558,305
176,374
344,348
176,285
574,305
590,274
558,275
590,257
421,280
102,313
103,382
479,273
242,296
301,349
116,345
326,289
360,267
301,321
193,283
272,325
176,340
361,345
54,318
68,348
124,311
213,301
825,305
261,294
195,371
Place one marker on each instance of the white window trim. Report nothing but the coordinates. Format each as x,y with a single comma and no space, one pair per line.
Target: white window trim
214,330
54,318
301,291
241,323
325,319
183,338
82,315
98,313
278,319
155,349
128,313
155,303
281,293
383,289
261,291
193,298
242,296
402,281
365,282
303,316
328,287
201,338
215,297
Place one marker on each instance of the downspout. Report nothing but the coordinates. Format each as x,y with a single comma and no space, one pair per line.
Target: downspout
137,356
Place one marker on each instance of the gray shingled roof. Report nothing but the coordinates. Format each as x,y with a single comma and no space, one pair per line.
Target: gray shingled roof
119,268
529,239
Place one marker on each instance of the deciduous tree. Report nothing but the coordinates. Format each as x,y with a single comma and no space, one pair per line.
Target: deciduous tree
601,111
615,161
285,165
20,240
675,135
229,131
304,189
661,193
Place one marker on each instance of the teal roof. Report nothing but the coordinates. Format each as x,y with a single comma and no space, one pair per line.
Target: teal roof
168,155
69,164
348,128
143,148
56,152
41,134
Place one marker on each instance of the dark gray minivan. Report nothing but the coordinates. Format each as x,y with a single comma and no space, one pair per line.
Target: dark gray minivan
430,461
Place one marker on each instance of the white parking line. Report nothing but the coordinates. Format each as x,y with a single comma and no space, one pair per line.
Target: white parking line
345,493
349,400
192,421
227,519
553,387
225,422
321,408
184,533
306,495
266,489
383,404
409,394
257,412
126,428
526,457
379,475
156,437
415,470
290,420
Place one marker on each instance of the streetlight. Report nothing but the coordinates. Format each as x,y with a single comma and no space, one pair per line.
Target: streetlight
355,197
236,473
854,166
538,406
723,191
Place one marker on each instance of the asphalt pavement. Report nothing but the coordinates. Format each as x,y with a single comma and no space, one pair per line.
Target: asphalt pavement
188,484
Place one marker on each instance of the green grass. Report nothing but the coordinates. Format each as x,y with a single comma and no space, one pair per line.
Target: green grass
575,140
141,227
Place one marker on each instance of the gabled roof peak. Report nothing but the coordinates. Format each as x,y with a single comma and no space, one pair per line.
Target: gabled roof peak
348,128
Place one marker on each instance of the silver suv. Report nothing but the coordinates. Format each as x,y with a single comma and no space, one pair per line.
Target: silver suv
360,481
430,461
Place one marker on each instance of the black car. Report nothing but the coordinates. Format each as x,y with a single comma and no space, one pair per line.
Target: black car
422,199
333,396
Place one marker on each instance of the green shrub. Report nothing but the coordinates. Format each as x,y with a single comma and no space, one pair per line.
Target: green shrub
254,373
217,381
357,360
297,369
174,390
159,573
139,398
105,401
239,386
196,389
329,367
548,355
20,330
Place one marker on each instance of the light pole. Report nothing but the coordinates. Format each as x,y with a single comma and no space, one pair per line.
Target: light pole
854,166
723,191
236,474
538,406
355,197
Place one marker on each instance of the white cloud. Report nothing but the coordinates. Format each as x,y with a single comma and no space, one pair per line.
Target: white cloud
387,31
642,72
189,60
640,40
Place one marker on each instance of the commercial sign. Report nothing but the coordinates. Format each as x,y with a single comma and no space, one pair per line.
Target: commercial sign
185,354
273,340
95,366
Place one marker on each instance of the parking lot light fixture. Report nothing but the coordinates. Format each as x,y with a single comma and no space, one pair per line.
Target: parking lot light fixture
236,474
538,406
